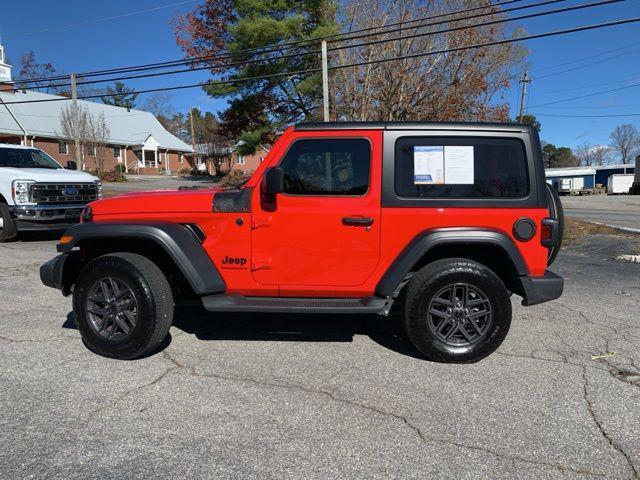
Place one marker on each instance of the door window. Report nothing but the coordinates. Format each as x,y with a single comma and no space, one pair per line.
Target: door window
327,167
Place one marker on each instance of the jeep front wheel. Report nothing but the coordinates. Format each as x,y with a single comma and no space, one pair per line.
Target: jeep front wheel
456,310
123,305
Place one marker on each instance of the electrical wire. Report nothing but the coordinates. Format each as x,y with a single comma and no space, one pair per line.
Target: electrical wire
287,45
602,92
374,42
587,116
357,64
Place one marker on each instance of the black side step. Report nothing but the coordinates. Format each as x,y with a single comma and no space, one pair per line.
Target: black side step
239,303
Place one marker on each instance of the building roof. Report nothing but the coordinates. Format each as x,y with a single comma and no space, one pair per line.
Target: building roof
127,127
570,171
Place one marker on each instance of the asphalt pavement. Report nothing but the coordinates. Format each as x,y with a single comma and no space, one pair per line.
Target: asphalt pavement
615,210
295,396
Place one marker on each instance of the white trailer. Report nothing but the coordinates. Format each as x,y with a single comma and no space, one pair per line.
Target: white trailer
619,184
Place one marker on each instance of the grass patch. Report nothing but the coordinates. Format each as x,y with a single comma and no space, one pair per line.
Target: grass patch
575,230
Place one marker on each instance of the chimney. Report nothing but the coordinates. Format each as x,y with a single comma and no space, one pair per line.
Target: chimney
6,83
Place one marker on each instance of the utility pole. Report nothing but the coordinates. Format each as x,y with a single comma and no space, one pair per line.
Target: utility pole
76,119
525,80
325,80
193,135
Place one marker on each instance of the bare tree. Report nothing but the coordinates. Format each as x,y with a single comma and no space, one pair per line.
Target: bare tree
593,154
625,140
98,137
459,85
76,132
90,132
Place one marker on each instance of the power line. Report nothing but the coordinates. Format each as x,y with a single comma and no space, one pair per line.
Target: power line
289,45
584,87
587,116
491,22
370,62
602,92
98,20
373,42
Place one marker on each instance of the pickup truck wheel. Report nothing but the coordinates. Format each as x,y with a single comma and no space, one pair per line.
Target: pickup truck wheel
123,305
456,310
8,229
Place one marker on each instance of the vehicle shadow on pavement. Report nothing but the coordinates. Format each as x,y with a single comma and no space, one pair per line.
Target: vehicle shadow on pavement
265,327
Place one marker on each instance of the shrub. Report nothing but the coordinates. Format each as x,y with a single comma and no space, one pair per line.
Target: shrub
113,176
120,169
234,178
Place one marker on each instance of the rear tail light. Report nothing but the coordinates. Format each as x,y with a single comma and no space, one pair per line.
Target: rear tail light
549,232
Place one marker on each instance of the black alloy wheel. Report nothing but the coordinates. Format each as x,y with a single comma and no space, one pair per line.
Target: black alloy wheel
459,314
112,308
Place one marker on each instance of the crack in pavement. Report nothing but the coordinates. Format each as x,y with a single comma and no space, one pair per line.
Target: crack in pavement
585,393
424,438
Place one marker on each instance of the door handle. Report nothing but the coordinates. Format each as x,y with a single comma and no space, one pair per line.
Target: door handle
357,221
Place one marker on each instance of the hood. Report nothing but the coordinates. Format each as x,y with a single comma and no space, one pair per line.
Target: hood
59,175
158,201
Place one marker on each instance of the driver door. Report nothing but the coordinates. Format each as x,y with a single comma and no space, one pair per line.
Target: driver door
324,230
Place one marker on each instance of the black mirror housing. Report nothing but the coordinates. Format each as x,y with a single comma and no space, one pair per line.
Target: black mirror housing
273,181
71,165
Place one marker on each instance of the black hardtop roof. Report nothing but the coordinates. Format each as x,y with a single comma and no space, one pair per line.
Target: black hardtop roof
471,126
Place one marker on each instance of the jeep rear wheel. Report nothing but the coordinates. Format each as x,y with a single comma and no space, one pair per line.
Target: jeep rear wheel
7,226
123,305
456,310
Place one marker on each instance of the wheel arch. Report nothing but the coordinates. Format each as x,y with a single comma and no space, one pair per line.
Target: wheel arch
491,248
175,248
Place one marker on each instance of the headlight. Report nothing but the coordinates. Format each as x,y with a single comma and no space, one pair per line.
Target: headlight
21,190
99,185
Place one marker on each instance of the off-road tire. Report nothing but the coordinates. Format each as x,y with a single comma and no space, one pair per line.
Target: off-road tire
154,300
8,231
435,277
557,213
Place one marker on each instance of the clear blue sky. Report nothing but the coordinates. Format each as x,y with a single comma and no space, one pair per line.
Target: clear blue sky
147,37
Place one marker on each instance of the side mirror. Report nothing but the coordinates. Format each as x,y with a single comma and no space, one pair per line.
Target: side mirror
71,165
273,181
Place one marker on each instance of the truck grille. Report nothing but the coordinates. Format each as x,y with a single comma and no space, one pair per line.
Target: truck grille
52,193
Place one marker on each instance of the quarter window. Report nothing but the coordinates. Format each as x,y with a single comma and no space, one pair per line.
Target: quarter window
460,167
327,167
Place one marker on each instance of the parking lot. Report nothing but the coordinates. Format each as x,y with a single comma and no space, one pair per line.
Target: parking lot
291,396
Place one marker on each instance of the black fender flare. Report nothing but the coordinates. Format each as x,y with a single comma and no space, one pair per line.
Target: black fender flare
429,239
178,241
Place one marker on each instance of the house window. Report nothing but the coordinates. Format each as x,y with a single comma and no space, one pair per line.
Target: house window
116,152
92,151
180,158
240,160
63,147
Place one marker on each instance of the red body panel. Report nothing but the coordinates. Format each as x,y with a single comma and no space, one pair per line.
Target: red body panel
302,248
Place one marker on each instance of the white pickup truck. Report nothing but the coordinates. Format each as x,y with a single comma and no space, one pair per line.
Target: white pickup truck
37,193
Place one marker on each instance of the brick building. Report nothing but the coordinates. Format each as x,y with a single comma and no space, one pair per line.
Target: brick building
137,140
243,163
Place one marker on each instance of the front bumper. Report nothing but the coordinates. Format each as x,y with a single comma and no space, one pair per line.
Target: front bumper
46,217
59,272
541,289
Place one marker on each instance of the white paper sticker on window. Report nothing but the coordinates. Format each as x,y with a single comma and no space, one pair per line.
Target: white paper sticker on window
458,165
428,165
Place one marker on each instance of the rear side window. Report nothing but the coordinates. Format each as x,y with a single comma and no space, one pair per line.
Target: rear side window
460,167
327,167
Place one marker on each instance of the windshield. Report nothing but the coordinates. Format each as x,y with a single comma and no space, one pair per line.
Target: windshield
26,158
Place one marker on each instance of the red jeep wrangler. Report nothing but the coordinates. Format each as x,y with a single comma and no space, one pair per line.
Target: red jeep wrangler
446,219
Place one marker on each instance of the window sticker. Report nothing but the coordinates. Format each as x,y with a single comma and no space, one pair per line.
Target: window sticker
428,165
458,165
